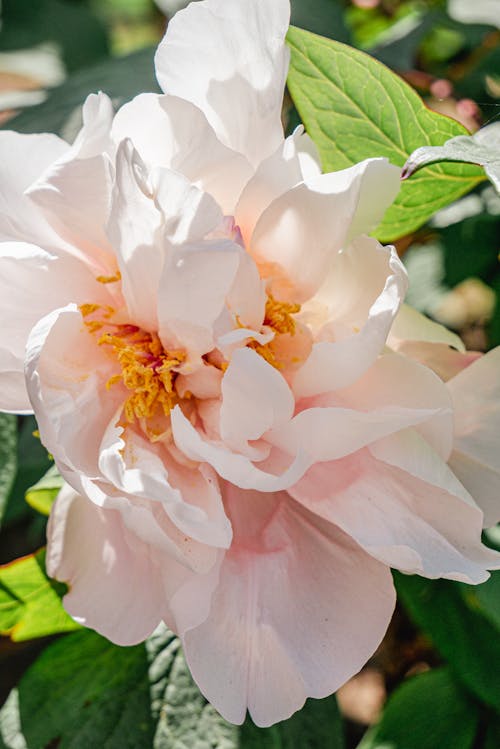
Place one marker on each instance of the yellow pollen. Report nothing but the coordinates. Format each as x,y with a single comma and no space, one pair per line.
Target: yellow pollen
278,317
147,369
109,279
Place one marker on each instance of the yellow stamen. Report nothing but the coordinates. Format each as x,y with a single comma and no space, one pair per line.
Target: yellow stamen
279,315
109,279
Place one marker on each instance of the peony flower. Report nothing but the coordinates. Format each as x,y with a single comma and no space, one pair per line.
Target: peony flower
214,350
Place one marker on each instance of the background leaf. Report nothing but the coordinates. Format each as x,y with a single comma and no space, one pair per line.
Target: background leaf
469,640
120,78
354,108
406,722
30,603
8,458
83,692
42,495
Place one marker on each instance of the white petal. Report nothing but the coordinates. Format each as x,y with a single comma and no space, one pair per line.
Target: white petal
32,283
237,74
255,398
475,459
299,235
274,176
298,610
361,296
23,159
172,133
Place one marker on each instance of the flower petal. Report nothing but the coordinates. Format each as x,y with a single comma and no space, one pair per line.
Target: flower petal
276,175
32,283
172,133
119,585
402,504
149,214
298,610
475,458
361,297
298,236
237,75
74,192
255,398
23,159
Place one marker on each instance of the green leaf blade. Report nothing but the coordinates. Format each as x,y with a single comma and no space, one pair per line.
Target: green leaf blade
8,458
30,603
355,108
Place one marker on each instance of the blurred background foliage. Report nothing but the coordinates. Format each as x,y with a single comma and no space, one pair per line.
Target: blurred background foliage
434,683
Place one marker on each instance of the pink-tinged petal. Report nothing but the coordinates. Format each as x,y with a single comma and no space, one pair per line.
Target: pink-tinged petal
32,283
189,495
411,325
377,183
23,159
115,582
276,175
399,383
74,192
172,133
232,466
297,238
298,610
119,585
317,434
361,297
255,398
475,458
238,73
66,376
402,504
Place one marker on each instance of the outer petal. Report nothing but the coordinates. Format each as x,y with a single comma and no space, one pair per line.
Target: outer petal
238,73
115,584
119,585
298,610
404,506
298,236
74,192
172,133
475,458
361,297
32,283
23,159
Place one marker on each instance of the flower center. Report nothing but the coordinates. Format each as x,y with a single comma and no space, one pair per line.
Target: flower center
147,368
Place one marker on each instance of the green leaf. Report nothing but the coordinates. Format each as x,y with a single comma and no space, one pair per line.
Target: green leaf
482,148
30,603
488,595
317,726
83,691
8,458
451,614
42,495
32,463
121,78
355,108
429,711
